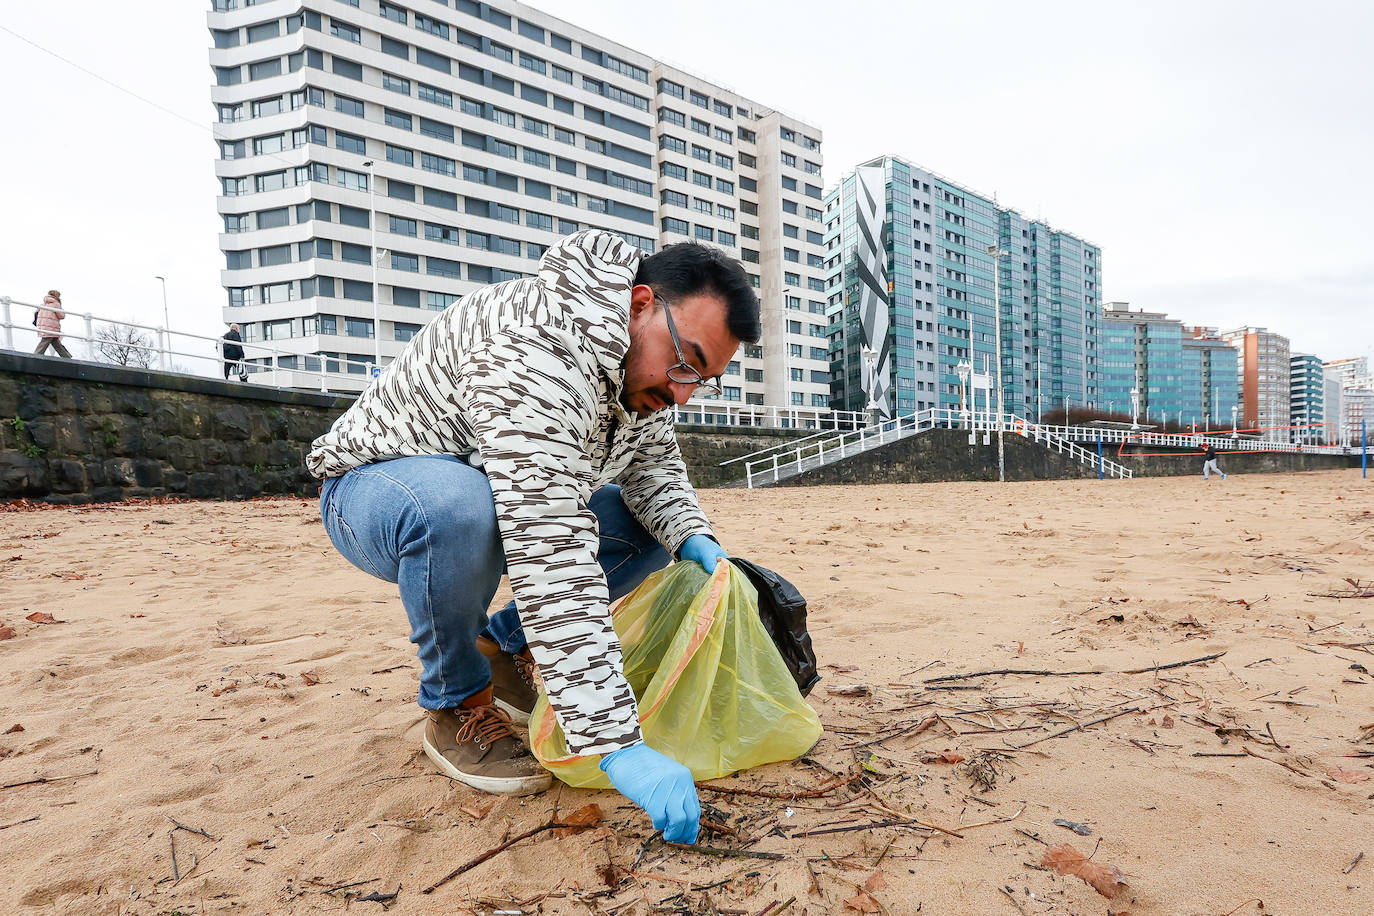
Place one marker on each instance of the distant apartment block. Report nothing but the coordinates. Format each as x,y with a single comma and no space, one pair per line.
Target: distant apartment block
1183,374
451,142
1264,379
1307,398
909,267
1354,387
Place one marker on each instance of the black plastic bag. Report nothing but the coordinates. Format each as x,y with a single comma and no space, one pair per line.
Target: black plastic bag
782,609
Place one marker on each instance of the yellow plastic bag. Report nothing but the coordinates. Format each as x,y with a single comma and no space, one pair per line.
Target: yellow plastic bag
713,692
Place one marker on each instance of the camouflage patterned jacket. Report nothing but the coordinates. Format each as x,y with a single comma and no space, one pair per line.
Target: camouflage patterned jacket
523,379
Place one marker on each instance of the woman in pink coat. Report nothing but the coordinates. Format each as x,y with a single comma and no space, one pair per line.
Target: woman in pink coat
50,324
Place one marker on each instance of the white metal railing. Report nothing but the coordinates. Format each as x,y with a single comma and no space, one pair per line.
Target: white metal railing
1223,440
279,368
155,347
1037,433
721,413
798,456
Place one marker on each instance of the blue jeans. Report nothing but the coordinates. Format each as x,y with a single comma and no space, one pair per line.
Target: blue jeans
429,524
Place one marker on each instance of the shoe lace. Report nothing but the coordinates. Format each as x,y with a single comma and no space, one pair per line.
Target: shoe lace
525,668
485,724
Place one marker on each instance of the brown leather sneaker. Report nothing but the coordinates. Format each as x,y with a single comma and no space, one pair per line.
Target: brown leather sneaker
476,744
512,679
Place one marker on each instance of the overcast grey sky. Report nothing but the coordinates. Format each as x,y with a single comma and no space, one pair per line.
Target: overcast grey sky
1218,152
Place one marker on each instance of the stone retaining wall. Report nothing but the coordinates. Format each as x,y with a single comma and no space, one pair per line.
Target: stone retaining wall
74,432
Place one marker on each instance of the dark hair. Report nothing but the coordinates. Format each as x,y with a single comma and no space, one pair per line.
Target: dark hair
687,269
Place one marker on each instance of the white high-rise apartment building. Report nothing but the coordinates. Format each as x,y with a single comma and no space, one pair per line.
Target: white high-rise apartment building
481,133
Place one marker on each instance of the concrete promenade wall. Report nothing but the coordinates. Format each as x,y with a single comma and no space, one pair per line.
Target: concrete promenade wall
944,454
75,432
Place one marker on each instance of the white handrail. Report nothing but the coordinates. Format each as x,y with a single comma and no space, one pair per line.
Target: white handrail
161,345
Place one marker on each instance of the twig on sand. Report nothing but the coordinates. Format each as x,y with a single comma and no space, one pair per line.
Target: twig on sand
839,783
1191,661
1036,672
17,823
726,853
181,826
1353,862
495,851
719,828
776,907
1280,763
46,779
381,897
340,887
1079,727
1012,897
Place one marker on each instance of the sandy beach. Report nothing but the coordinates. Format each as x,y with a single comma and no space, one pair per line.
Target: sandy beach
218,666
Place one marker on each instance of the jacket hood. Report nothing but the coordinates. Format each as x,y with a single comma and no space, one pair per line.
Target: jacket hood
600,310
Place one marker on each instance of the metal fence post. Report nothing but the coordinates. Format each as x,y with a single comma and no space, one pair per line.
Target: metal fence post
90,337
1100,465
9,328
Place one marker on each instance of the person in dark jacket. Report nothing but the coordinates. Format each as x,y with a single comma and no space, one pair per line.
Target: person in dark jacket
1209,464
233,352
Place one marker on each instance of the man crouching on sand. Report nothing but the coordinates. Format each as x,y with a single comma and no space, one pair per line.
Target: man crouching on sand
494,444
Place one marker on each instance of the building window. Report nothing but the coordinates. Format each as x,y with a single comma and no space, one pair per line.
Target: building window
675,225
344,30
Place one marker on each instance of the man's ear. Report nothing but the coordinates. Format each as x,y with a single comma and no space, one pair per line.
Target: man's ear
641,300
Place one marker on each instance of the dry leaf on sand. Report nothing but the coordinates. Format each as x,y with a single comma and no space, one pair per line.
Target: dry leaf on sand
579,820
41,617
7,633
875,882
863,902
1065,860
16,727
943,757
1341,774
310,678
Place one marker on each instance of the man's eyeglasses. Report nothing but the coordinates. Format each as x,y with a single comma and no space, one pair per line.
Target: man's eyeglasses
683,372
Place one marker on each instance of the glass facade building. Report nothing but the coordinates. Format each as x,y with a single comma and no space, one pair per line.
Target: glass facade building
1184,375
1306,397
937,293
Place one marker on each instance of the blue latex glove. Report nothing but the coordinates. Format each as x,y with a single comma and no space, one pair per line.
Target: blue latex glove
661,786
701,549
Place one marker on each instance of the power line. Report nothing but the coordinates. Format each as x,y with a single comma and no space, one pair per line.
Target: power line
109,82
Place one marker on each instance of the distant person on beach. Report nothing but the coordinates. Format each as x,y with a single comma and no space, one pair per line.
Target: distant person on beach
49,324
528,429
233,353
1209,463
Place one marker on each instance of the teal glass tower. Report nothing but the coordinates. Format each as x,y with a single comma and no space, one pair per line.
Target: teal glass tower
910,257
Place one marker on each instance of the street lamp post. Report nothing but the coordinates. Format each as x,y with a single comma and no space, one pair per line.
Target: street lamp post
1234,434
1039,390
372,248
166,325
871,361
790,417
1135,408
997,254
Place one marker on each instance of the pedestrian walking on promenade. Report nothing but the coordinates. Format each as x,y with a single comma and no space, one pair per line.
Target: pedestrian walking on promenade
49,323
